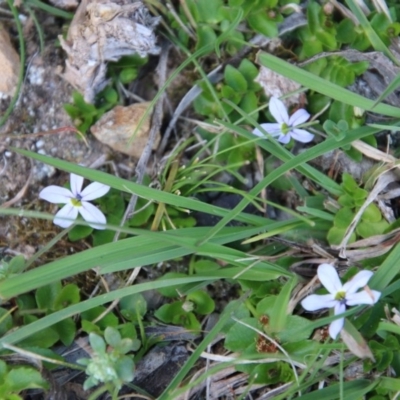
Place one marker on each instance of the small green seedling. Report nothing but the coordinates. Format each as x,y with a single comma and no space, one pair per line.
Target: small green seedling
109,363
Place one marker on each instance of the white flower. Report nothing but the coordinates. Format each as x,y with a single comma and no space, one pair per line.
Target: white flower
285,128
76,201
340,295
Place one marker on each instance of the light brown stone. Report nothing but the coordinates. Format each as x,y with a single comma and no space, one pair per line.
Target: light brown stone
117,129
9,64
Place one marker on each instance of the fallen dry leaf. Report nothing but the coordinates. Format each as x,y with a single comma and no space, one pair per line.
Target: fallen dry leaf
356,343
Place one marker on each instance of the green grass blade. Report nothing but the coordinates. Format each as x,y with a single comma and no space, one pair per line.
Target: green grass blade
50,9
351,390
390,89
168,392
313,152
150,248
140,190
387,271
278,314
49,320
323,86
373,37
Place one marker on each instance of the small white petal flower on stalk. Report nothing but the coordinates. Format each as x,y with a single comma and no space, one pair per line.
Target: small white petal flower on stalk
76,201
340,295
285,128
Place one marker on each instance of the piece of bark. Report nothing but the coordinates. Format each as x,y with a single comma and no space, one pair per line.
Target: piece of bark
103,31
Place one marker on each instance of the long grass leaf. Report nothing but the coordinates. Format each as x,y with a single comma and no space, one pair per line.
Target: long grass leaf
373,37
316,151
323,86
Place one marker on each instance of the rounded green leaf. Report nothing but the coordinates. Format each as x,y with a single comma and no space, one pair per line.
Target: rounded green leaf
22,378
297,324
79,232
343,218
231,94
97,342
45,338
249,103
205,36
112,336
235,79
133,306
69,295
262,24
109,319
336,235
209,11
348,183
124,368
240,337
66,329
204,303
345,32
248,70
346,200
110,94
367,229
127,75
372,214
167,312
47,295
17,264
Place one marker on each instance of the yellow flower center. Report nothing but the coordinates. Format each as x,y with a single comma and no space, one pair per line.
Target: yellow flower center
340,296
76,203
285,129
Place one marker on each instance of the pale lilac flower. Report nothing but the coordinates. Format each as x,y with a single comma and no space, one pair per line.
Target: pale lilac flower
76,201
285,128
340,295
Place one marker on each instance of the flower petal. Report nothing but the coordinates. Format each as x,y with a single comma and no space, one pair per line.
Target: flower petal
56,194
298,117
358,281
329,277
363,297
94,191
92,215
76,184
66,216
271,128
301,135
317,302
278,110
284,139
335,327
